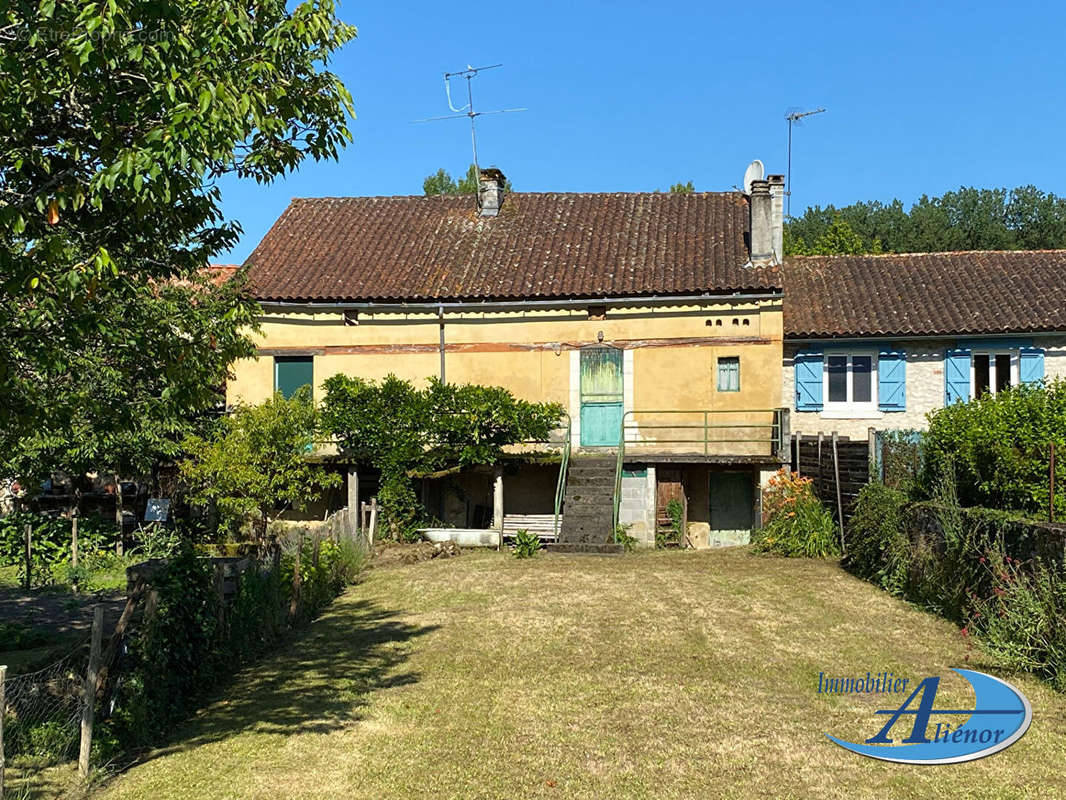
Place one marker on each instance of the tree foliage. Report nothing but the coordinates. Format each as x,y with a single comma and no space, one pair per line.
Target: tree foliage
837,239
404,431
1024,218
116,120
254,464
682,188
442,183
997,448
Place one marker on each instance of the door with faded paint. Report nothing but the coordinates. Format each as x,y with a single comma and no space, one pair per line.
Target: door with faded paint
670,485
601,396
732,507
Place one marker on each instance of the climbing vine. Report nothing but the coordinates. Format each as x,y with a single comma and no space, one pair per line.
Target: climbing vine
404,431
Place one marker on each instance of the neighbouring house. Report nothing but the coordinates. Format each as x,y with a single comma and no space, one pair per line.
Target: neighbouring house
654,319
879,341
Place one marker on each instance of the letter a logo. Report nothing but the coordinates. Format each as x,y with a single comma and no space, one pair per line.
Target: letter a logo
928,688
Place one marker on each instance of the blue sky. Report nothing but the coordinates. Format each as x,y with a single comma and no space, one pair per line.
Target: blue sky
921,98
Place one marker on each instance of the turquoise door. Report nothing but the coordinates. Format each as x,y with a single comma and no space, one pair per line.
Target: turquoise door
601,396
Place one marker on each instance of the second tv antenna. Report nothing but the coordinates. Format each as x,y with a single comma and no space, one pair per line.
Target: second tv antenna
467,110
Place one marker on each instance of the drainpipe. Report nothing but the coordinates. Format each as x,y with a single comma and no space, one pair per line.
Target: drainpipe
440,315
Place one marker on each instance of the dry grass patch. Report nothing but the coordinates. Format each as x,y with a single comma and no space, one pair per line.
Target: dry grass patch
670,675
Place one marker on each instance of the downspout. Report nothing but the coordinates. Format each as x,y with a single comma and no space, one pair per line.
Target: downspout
440,314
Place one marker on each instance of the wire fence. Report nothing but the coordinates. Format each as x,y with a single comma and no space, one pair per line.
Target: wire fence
42,710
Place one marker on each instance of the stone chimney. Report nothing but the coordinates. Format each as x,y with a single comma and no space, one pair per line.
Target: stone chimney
762,225
490,193
777,217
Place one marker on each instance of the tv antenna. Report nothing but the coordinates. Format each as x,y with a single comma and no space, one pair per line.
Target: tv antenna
794,115
467,110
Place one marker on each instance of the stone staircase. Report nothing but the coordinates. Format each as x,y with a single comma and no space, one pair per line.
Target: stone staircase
588,507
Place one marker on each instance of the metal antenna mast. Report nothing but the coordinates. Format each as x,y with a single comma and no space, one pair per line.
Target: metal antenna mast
794,117
467,110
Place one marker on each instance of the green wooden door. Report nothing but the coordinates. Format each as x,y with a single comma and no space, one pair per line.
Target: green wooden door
601,396
732,507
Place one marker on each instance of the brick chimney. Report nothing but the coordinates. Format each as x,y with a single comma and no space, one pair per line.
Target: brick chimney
490,193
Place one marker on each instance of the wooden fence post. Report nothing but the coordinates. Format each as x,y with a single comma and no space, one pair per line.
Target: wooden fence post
3,713
294,603
89,700
836,480
871,453
29,556
373,520
818,483
74,541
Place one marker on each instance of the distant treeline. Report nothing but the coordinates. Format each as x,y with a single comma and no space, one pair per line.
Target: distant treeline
1024,218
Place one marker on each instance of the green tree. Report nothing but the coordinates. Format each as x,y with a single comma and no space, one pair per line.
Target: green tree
441,182
682,188
254,464
967,219
116,121
404,431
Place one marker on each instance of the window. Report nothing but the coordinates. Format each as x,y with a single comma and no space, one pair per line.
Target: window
729,374
993,372
850,381
292,372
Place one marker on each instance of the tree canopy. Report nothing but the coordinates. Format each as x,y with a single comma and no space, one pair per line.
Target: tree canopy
254,463
405,431
682,188
1024,218
441,182
116,121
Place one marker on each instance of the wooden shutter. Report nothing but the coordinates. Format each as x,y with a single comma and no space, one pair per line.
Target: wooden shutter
892,380
1031,365
956,376
808,368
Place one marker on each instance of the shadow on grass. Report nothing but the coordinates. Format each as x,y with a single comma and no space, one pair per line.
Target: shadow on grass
319,681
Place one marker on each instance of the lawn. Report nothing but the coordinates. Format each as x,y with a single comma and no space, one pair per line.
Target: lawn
668,674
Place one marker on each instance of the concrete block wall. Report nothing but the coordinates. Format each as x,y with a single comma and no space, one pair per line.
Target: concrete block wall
925,388
637,507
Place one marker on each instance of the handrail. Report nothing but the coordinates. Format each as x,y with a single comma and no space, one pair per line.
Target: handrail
777,428
618,478
560,484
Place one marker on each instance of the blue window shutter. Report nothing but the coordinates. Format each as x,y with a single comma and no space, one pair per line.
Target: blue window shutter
892,380
808,366
1031,368
956,376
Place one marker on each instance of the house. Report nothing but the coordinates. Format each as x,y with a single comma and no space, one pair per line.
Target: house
879,341
654,319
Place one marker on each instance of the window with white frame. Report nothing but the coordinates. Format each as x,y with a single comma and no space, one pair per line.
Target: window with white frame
729,374
849,381
992,371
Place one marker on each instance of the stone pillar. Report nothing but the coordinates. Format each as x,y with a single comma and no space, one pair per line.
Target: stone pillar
497,500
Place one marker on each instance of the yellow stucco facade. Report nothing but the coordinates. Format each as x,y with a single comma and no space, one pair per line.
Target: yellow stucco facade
671,351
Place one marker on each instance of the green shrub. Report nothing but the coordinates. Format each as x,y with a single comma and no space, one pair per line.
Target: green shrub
526,544
191,644
1021,620
51,540
675,510
622,537
998,448
795,523
877,547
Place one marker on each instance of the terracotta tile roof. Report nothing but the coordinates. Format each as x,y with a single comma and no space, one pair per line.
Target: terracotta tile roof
540,246
925,293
